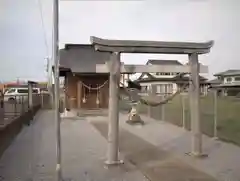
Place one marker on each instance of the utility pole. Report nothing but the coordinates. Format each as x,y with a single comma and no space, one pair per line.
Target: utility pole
55,56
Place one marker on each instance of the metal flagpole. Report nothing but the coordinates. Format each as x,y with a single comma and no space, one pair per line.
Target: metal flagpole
56,85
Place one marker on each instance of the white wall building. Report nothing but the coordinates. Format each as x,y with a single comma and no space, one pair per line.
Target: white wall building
228,82
160,79
166,82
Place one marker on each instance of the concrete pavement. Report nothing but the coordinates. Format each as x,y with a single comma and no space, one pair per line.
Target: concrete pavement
223,161
32,154
155,163
155,151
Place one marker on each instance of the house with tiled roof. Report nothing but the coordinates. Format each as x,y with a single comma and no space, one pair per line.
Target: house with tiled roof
229,77
167,82
228,82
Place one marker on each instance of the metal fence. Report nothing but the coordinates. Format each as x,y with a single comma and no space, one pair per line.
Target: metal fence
220,115
16,106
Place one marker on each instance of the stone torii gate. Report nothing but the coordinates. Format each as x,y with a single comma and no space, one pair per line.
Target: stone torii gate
116,47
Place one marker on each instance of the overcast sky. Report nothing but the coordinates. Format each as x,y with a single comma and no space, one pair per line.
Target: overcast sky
22,47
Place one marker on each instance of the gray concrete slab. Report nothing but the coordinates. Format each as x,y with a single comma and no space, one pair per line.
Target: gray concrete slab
156,164
223,161
32,154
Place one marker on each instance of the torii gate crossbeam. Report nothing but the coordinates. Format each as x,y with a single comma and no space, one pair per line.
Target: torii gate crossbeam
125,68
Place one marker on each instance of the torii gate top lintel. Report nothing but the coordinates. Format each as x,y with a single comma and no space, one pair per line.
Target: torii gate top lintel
161,47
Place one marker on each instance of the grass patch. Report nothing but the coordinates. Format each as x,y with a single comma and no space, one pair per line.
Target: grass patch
228,116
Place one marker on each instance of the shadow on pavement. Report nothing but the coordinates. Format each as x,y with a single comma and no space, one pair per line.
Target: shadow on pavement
154,163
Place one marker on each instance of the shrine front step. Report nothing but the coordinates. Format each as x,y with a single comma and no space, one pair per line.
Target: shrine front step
92,112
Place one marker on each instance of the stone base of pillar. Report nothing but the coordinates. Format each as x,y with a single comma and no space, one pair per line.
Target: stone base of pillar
197,155
68,114
134,119
113,163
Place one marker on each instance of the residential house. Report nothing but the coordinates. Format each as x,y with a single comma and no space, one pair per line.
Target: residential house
228,82
160,78
167,82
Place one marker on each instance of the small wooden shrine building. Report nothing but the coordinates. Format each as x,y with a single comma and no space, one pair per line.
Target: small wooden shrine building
84,90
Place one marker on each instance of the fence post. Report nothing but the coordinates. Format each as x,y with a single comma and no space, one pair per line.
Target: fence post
2,108
38,99
30,96
22,104
41,94
149,107
149,111
165,95
15,105
215,113
163,109
183,111
152,91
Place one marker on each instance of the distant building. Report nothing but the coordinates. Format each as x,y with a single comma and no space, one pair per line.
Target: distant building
228,82
167,82
6,85
18,84
2,87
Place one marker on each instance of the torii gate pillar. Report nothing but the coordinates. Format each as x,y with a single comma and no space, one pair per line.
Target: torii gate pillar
194,95
113,112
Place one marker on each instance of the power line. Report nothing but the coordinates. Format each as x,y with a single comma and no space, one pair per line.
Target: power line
49,64
43,26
